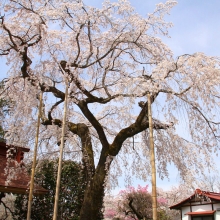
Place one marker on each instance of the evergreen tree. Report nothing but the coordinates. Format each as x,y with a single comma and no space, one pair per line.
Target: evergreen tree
4,110
71,192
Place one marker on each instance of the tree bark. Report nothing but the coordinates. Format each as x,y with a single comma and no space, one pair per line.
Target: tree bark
93,198
139,216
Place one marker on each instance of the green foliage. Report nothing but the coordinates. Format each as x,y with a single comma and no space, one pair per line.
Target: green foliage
71,192
162,215
4,110
2,133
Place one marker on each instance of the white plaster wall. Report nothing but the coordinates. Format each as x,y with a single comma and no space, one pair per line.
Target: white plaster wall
184,211
198,208
217,213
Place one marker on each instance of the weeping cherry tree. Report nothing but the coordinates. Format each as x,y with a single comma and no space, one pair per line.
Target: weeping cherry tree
112,58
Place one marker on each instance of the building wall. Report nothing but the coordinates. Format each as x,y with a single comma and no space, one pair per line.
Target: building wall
217,213
198,208
184,211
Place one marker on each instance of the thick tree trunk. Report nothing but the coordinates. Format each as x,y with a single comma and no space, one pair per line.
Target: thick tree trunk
93,197
95,178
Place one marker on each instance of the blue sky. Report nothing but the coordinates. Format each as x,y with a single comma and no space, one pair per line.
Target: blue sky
196,24
196,29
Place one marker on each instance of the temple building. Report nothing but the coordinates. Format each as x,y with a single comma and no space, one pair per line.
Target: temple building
202,205
13,174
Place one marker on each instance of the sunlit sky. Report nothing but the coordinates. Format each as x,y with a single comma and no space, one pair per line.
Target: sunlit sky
196,29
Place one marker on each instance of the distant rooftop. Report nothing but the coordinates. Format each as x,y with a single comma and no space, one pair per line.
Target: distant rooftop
198,195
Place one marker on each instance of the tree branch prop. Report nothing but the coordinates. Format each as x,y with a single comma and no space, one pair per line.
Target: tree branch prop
34,159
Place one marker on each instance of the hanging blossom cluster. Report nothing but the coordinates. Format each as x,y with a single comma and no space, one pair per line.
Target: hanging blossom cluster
111,57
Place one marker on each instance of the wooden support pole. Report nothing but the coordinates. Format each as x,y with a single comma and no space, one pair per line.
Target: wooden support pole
152,160
55,213
34,159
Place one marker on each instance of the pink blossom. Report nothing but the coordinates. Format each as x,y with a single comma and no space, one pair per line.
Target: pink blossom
162,201
110,213
131,189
